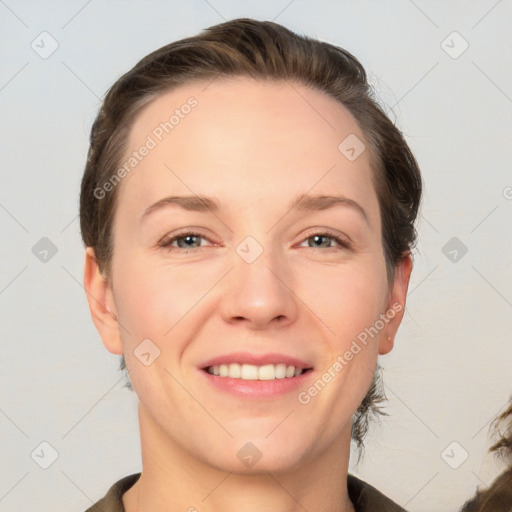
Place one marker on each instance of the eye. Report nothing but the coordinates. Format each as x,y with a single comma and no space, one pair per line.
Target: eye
186,240
191,241
320,238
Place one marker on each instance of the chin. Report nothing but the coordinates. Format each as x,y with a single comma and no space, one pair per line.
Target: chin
249,460
254,454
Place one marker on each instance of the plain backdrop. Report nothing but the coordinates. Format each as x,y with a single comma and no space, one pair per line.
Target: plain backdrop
442,70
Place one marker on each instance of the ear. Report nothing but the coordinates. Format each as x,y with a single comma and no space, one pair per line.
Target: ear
101,304
396,304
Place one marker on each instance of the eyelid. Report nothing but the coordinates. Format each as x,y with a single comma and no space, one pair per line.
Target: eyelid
170,238
340,238
328,232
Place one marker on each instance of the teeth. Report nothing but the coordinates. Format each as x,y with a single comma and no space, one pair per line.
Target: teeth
249,372
280,371
234,371
253,372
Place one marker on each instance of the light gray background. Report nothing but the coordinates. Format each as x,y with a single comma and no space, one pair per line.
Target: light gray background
449,373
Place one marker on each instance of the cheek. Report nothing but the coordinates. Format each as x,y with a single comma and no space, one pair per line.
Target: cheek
349,298
153,299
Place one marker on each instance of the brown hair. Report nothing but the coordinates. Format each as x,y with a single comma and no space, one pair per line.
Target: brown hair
262,50
498,497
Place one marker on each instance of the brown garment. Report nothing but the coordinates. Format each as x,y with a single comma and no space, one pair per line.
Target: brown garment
364,497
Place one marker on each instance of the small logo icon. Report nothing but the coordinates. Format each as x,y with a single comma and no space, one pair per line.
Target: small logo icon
146,352
249,454
351,147
44,250
454,45
44,45
249,249
454,250
454,455
44,455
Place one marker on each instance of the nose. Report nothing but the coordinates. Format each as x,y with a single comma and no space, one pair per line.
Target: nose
260,292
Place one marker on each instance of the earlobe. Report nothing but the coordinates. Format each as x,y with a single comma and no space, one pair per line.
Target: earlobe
396,303
101,304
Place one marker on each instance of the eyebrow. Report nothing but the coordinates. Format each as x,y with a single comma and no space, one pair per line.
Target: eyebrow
303,202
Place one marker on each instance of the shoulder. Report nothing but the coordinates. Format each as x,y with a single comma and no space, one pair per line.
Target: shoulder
368,499
112,501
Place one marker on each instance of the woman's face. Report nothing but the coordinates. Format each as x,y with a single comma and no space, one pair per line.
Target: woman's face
261,284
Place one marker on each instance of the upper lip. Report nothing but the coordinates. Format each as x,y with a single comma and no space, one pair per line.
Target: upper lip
255,359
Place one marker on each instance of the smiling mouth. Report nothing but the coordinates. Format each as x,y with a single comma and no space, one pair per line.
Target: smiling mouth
254,372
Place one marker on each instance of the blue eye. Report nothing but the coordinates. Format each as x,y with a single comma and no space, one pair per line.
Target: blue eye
188,241
319,237
187,237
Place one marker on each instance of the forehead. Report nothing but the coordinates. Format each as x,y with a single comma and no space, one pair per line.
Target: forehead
241,138
231,103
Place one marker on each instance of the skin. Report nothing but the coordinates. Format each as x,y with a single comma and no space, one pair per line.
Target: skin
254,146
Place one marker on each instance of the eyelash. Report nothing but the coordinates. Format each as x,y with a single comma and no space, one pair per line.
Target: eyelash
166,242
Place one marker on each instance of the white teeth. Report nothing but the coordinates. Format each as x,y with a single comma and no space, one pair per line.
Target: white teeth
280,371
267,372
249,372
235,371
253,372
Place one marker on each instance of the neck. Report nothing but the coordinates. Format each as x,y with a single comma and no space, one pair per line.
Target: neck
173,479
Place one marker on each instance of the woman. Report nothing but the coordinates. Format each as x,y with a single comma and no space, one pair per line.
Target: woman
248,214
498,497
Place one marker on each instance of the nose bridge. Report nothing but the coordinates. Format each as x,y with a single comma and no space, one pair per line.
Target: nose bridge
259,264
257,289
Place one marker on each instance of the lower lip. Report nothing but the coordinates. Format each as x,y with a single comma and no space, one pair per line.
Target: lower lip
257,388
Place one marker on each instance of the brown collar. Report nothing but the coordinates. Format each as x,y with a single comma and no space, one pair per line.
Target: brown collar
364,497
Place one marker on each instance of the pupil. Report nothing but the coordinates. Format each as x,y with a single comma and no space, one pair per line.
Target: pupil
317,238
188,238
